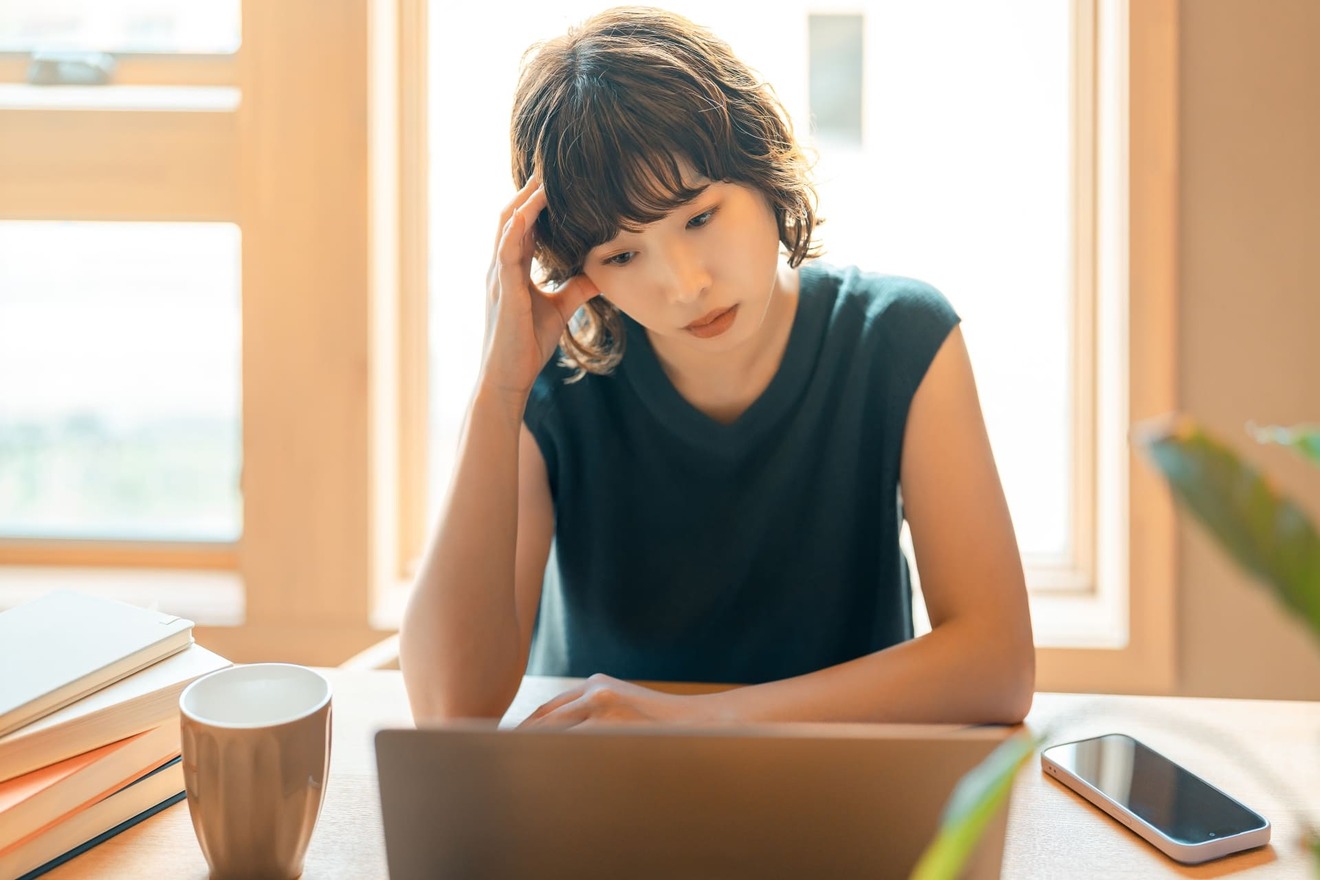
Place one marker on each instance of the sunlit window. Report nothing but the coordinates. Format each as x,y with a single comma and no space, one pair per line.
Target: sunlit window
183,26
119,381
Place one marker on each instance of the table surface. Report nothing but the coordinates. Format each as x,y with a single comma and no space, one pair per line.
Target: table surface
1265,753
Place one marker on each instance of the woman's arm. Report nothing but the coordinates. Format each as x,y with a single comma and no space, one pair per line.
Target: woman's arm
978,662
467,628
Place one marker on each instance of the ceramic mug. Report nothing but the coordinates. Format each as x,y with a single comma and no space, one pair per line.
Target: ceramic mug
256,756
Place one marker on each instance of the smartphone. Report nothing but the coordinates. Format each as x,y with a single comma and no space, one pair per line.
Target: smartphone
1177,811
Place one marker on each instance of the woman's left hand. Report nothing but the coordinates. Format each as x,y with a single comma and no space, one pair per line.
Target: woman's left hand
605,700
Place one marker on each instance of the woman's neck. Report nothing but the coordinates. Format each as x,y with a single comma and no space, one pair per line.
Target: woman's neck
725,384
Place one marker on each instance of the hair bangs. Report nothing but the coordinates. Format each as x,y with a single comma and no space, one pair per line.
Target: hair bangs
616,166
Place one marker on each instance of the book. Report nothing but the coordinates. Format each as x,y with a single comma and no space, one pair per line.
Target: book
37,801
64,645
128,806
143,700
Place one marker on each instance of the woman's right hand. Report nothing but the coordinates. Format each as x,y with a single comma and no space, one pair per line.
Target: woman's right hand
523,322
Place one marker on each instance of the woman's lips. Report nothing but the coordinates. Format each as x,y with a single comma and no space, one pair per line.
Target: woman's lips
714,323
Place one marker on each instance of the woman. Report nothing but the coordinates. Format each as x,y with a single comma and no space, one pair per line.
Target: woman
708,483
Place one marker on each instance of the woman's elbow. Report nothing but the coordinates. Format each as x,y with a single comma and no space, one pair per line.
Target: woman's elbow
1018,671
432,713
432,703
1018,688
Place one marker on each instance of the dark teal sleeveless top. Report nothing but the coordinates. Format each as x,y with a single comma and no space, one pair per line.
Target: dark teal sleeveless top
689,550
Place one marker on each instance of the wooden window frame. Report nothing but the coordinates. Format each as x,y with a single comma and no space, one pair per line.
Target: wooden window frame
1075,572
101,163
321,201
1135,363
146,69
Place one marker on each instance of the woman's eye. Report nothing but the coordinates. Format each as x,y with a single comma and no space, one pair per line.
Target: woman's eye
701,219
622,259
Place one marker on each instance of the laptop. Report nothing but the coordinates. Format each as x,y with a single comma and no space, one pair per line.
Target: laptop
792,800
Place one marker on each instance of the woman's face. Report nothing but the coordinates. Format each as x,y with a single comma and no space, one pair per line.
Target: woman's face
701,277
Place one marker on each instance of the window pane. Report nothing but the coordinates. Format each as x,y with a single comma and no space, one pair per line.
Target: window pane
119,381
960,178
836,77
183,26
963,181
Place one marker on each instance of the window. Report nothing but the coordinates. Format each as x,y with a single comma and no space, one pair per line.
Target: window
120,290
98,440
195,298
156,26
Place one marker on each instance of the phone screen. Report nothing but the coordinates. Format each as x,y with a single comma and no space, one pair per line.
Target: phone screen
1181,805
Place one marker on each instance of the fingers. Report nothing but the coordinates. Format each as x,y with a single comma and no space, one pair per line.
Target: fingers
519,228
520,197
514,252
506,217
551,705
515,246
530,210
572,714
599,700
576,291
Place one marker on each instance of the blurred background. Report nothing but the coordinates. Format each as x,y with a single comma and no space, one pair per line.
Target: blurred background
243,248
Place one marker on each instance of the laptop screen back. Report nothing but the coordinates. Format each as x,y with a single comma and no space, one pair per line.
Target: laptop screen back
796,801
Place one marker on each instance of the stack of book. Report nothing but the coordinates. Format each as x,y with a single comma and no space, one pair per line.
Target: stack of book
89,723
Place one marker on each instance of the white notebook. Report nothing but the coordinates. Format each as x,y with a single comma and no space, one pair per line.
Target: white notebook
64,645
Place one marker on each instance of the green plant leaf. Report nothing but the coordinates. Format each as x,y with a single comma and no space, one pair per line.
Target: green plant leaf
1304,439
975,800
1265,532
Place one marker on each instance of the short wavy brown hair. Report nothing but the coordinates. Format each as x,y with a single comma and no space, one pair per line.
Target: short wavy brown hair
608,114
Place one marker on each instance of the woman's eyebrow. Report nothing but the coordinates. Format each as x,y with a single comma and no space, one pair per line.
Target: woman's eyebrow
703,183
702,186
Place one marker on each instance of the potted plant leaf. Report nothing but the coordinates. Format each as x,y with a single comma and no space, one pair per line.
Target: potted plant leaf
1266,532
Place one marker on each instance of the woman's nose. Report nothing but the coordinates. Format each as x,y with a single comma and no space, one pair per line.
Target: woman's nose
688,277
